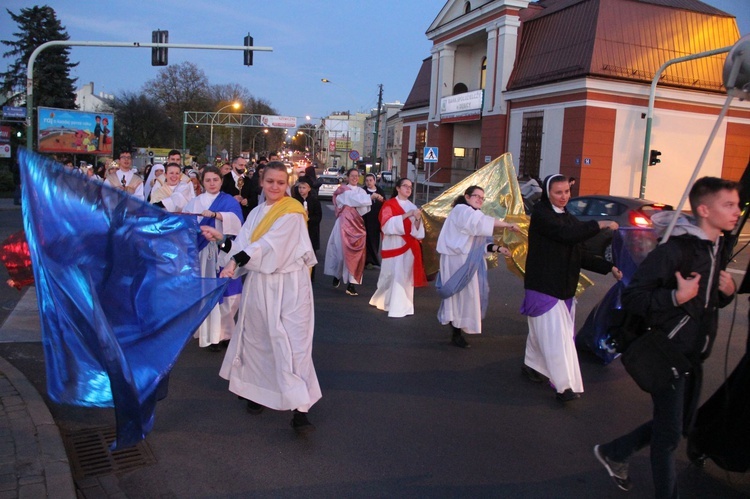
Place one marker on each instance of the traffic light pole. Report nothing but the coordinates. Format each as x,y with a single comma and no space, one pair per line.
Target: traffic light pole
68,43
650,112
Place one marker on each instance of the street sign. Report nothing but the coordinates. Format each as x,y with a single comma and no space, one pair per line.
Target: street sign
430,154
14,112
354,155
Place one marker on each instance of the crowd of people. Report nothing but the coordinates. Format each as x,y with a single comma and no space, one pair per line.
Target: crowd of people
263,232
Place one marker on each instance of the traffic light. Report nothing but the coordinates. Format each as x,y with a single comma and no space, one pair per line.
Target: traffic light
159,54
654,157
19,134
413,158
248,53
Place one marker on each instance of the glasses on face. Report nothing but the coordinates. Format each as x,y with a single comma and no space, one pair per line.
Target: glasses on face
125,156
478,196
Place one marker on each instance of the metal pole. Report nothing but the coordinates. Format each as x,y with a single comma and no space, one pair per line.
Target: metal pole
650,112
68,43
184,131
377,127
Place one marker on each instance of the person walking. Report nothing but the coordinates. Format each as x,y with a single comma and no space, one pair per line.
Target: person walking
221,212
269,358
463,242
372,222
345,253
678,289
305,194
402,269
553,264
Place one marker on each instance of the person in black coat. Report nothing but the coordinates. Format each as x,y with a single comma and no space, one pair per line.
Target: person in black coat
304,192
555,257
236,184
678,290
372,221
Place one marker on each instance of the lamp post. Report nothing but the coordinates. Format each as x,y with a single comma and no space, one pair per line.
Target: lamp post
255,135
312,140
235,105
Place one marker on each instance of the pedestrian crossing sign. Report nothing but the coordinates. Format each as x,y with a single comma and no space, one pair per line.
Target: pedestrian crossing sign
430,154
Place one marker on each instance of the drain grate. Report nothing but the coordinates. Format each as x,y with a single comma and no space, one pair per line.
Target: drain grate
90,456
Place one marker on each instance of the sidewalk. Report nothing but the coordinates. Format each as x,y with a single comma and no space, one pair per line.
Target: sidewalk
33,462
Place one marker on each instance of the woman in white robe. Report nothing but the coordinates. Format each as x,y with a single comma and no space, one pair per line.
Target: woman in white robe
464,240
347,245
269,358
173,194
220,210
401,267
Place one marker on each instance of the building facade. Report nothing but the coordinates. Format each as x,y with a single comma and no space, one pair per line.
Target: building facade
87,100
563,85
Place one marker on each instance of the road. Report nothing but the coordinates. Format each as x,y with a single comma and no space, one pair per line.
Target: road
403,412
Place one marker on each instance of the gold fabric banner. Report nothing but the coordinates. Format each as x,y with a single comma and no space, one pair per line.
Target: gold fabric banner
502,200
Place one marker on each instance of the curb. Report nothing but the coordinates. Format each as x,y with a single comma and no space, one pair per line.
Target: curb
36,438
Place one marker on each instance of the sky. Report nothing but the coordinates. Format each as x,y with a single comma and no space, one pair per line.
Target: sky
356,44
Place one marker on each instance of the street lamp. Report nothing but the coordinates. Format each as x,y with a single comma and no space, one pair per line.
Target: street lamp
255,135
312,140
235,105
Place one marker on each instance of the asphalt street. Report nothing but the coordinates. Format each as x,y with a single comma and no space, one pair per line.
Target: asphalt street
404,413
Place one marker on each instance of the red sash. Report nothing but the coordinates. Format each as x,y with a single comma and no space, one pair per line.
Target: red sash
392,208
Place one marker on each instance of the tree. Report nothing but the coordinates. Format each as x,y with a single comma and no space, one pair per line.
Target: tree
53,86
179,88
141,122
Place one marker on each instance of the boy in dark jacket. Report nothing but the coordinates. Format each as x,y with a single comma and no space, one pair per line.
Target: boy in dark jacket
683,305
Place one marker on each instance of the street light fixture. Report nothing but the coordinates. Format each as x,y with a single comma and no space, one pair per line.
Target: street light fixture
236,105
255,135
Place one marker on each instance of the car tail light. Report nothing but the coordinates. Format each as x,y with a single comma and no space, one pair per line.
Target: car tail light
638,219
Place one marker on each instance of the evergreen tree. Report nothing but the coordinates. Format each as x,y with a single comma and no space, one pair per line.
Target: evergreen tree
53,86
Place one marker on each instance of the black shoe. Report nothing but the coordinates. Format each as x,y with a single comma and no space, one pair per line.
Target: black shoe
459,340
300,423
336,282
254,408
533,374
350,290
213,347
617,471
224,344
567,396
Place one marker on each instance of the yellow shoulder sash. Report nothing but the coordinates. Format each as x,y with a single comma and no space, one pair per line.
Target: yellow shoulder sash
283,206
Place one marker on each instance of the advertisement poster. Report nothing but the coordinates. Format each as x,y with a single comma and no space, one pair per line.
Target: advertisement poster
75,132
5,141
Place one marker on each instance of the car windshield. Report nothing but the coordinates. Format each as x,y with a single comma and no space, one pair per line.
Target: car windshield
329,180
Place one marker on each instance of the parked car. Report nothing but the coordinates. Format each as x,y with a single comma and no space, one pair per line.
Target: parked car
331,170
386,176
627,212
327,185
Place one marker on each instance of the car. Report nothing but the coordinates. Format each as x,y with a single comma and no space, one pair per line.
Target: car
386,176
327,185
331,170
626,211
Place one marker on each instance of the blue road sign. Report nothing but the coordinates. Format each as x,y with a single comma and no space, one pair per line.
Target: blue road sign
430,154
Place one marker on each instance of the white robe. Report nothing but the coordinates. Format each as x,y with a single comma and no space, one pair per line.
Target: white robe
462,224
219,324
551,348
269,358
178,196
395,293
128,178
334,265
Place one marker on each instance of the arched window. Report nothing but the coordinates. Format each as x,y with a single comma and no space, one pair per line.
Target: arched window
460,88
467,7
483,73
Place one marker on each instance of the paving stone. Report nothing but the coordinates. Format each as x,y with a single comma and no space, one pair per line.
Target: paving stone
28,480
33,491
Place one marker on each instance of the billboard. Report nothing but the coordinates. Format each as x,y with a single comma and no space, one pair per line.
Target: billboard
75,132
279,121
5,132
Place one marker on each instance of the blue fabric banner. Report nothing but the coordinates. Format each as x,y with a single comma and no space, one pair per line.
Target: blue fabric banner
630,245
119,291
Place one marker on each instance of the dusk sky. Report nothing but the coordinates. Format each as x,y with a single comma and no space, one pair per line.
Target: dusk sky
356,44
